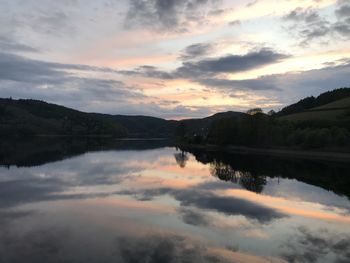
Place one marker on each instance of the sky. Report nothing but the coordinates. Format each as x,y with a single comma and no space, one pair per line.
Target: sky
173,59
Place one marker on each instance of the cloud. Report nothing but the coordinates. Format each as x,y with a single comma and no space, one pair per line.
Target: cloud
299,14
227,205
312,246
22,69
343,10
9,45
204,70
310,25
193,217
173,15
248,84
250,4
196,51
165,248
294,85
235,23
206,200
229,63
68,84
62,242
61,176
147,71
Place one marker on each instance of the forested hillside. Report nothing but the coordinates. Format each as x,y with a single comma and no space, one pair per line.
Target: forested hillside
313,102
318,122
32,117
321,122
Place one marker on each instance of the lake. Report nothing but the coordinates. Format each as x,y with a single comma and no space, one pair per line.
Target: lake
147,201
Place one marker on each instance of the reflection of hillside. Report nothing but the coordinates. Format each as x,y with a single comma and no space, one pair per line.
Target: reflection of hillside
251,171
37,151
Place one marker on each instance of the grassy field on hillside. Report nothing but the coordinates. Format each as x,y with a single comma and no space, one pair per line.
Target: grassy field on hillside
343,103
331,111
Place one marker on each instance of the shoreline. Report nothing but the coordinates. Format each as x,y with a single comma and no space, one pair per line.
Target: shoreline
274,152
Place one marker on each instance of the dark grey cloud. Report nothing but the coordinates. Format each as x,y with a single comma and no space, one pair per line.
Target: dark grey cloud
230,63
167,14
196,51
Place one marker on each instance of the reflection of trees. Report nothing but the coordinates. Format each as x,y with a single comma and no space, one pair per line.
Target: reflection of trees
181,158
249,181
328,175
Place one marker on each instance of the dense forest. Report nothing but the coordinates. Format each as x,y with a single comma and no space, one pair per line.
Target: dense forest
32,117
257,129
312,102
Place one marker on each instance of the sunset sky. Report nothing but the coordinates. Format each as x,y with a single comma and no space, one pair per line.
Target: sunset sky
173,58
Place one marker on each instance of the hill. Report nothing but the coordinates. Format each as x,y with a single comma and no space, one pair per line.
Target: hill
201,126
312,102
33,117
321,122
146,127
339,104
335,111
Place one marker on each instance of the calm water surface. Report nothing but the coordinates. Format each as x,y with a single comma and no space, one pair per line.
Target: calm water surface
148,203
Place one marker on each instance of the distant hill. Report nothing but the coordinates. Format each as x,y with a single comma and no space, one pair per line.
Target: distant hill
146,127
33,117
202,125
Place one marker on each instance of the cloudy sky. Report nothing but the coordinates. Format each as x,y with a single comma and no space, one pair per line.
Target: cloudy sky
173,58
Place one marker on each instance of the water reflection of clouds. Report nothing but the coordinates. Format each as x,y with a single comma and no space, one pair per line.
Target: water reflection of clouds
295,190
152,188
309,246
209,201
59,244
